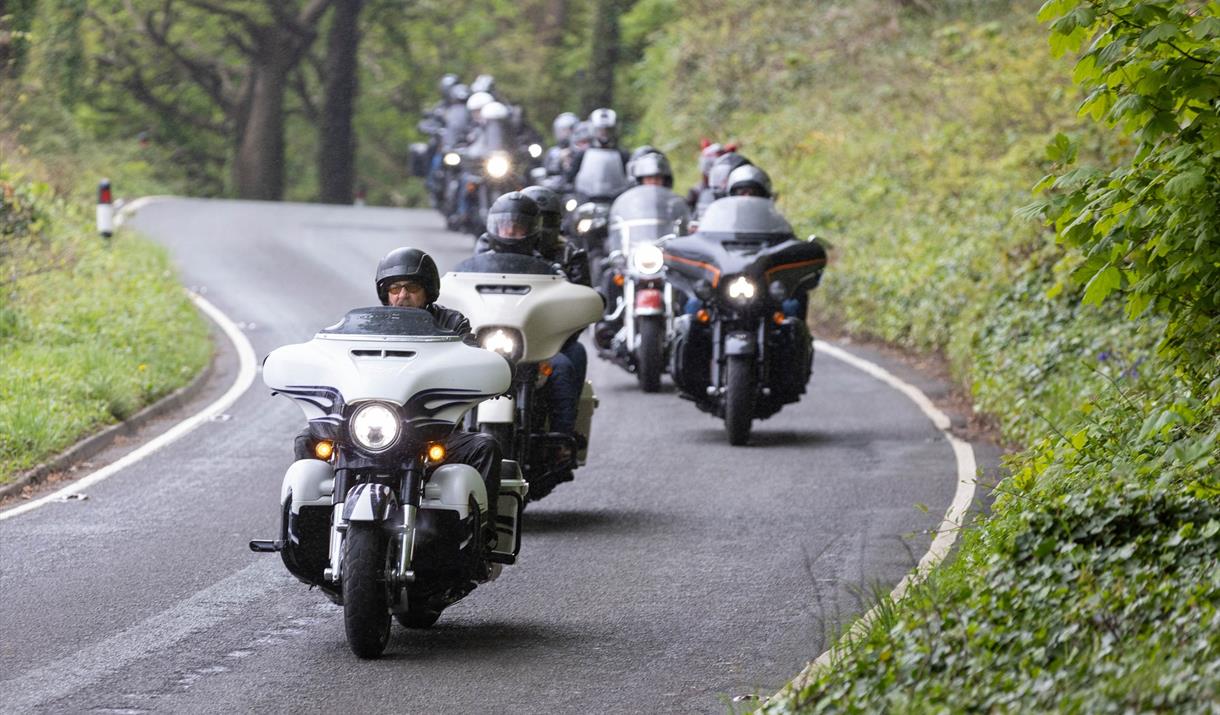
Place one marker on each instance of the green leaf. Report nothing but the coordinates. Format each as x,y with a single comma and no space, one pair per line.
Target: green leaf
1205,28
1054,8
1102,284
1158,33
1061,150
1187,184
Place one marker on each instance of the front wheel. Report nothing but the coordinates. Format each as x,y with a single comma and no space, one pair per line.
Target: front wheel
366,598
650,354
739,398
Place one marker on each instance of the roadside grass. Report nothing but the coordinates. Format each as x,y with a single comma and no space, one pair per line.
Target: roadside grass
90,331
909,139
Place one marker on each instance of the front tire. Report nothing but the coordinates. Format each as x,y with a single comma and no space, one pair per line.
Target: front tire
739,398
366,598
651,353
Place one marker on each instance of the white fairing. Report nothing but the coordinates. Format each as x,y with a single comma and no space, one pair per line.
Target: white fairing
546,310
451,487
308,482
450,375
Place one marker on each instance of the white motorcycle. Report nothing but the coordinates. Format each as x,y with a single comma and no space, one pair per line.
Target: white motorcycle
527,313
378,520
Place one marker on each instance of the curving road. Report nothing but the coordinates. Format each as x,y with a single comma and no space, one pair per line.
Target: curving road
674,574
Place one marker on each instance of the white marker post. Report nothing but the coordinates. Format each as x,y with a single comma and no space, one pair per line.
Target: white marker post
105,209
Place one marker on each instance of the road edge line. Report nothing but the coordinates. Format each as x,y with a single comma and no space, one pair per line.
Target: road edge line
245,378
946,533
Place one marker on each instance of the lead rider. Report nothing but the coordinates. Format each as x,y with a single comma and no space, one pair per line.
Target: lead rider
408,278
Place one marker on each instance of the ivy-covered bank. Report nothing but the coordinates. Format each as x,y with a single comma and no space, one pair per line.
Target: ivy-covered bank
90,331
1083,318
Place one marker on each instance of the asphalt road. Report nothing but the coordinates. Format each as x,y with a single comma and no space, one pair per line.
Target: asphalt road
674,574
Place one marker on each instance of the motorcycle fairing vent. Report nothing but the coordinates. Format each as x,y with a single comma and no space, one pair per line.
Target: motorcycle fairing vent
503,289
398,354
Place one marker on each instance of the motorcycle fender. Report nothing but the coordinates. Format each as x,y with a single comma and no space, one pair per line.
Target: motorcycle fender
451,486
649,301
308,482
498,410
370,502
739,344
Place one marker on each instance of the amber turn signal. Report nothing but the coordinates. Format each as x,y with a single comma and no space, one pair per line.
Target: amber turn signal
546,369
436,452
703,316
324,449
778,317
619,280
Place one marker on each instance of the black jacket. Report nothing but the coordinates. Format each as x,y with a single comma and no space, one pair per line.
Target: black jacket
450,319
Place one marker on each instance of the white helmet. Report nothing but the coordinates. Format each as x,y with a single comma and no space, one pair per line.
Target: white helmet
477,101
494,110
603,123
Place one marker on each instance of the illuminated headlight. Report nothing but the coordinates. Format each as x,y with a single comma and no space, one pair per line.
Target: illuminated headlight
535,150
453,159
375,427
647,259
503,341
498,166
570,205
583,225
742,289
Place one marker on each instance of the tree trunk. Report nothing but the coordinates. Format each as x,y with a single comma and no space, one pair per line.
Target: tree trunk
599,90
336,138
258,168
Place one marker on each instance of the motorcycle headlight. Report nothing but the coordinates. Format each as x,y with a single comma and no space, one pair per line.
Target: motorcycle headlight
583,225
375,427
535,150
505,341
742,289
571,204
647,259
498,166
453,159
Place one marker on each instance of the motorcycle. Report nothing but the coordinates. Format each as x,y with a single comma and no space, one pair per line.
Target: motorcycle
746,352
636,333
600,179
519,308
489,166
378,520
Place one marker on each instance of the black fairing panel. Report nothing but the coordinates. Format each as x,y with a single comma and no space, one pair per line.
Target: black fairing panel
306,543
797,265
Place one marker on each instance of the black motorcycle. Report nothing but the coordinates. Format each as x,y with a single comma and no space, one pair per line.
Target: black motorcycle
745,351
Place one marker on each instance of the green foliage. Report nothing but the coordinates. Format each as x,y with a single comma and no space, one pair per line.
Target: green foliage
1149,228
89,338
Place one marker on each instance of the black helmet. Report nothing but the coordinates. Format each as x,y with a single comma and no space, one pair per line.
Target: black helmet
512,223
749,180
718,175
654,164
407,264
548,206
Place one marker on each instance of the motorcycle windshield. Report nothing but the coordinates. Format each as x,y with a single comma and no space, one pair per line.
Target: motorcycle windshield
389,321
495,135
601,174
645,214
744,217
509,263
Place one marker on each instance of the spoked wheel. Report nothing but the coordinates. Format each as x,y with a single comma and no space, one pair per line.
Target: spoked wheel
366,598
651,353
739,398
418,617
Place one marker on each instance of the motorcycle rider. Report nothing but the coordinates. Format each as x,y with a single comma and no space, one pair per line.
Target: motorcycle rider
603,134
652,169
718,175
556,156
408,278
749,180
514,227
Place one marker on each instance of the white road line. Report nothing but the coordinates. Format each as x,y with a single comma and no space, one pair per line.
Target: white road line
946,534
245,377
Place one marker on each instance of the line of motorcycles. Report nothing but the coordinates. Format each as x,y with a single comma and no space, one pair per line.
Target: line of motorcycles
383,525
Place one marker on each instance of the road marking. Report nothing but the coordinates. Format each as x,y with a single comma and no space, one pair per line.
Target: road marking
245,378
946,533
204,610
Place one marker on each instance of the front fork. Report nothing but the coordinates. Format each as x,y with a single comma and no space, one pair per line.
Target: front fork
401,524
719,336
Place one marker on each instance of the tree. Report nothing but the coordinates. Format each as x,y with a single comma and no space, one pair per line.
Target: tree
237,54
336,136
599,90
